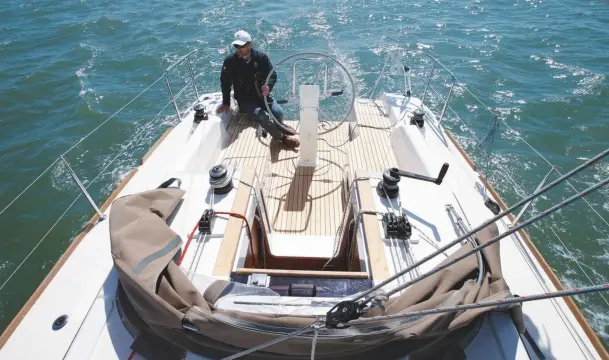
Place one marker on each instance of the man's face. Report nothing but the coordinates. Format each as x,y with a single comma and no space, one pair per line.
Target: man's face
244,50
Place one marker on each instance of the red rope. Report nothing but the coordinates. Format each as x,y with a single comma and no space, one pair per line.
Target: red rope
192,233
247,227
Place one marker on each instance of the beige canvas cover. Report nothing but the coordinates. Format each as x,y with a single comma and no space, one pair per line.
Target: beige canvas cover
162,309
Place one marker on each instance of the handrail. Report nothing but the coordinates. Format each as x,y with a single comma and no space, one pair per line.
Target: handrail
436,65
312,60
520,138
163,76
495,117
129,143
180,60
193,80
84,191
436,62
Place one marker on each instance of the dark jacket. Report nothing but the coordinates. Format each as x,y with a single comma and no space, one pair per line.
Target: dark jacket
246,77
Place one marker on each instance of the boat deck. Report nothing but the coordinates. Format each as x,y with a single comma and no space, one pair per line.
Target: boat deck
306,200
95,329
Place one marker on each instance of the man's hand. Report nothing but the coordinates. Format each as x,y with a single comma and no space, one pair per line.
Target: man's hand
265,90
223,108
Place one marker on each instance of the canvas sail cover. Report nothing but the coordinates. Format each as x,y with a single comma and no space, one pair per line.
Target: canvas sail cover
163,310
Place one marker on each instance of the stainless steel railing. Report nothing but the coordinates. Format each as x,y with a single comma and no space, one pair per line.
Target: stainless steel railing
435,64
445,102
485,142
193,80
84,189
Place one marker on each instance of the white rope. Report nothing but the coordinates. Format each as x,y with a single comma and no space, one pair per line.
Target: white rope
517,186
133,138
427,239
558,237
354,220
585,200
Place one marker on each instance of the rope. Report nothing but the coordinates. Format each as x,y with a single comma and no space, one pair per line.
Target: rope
497,217
378,80
463,123
192,233
59,158
113,115
338,231
301,331
427,239
415,315
517,187
493,240
73,202
579,265
247,227
521,139
30,185
316,329
487,142
345,212
39,242
585,200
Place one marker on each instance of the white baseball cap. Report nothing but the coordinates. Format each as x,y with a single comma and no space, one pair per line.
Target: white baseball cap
241,38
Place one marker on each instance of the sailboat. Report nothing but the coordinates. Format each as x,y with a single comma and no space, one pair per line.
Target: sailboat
377,238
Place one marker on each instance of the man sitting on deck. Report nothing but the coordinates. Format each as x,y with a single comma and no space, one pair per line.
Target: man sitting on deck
246,70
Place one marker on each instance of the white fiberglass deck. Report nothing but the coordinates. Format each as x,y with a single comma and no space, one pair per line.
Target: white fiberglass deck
85,287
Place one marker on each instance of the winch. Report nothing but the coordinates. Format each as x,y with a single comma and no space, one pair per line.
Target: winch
220,179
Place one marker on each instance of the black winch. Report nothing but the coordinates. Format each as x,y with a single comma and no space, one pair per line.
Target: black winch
220,179
418,118
388,187
200,113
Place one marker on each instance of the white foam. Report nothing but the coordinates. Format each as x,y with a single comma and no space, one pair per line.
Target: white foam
83,75
278,35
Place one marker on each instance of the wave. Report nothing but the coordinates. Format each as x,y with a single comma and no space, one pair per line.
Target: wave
87,93
588,81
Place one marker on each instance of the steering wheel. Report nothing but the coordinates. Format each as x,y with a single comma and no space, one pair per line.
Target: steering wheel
352,102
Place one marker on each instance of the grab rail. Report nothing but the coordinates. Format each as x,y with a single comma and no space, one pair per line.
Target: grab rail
485,145
193,80
312,60
435,62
